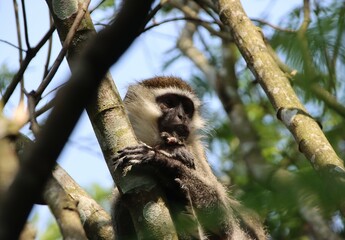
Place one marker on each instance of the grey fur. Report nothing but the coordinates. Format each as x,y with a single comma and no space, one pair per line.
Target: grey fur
200,198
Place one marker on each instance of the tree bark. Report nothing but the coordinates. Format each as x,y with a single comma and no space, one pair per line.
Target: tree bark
113,131
40,159
306,131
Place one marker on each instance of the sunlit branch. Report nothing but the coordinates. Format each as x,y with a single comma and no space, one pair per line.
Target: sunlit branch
63,51
35,171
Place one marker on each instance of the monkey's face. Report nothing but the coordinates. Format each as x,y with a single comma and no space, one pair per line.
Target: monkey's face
177,113
164,110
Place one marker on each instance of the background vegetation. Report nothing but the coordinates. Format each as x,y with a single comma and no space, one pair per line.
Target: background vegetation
298,194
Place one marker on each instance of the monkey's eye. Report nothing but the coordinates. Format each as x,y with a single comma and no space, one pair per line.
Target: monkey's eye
170,103
188,107
167,101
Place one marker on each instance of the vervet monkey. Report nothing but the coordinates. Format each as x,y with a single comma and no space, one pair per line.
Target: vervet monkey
165,115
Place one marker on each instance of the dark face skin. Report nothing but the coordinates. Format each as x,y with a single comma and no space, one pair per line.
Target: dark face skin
177,114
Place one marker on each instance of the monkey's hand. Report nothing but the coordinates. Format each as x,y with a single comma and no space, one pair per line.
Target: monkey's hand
181,154
143,154
134,155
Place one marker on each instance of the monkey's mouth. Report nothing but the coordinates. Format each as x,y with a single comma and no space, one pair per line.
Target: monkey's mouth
177,133
182,131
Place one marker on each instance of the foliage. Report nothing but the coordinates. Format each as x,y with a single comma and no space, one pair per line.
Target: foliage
101,195
325,53
97,192
318,56
107,4
52,231
5,76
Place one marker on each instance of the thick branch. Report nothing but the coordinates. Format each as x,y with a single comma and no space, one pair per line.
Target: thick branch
311,140
113,131
95,220
107,47
66,43
65,211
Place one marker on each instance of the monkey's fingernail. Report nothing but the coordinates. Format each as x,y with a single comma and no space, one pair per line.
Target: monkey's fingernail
116,164
134,161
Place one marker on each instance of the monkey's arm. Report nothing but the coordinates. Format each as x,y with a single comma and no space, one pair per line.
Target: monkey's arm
184,183
164,165
171,156
215,211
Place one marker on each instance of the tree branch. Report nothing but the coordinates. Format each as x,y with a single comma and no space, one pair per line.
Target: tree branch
19,75
311,140
113,131
95,220
106,49
189,12
19,38
65,211
81,12
49,51
25,26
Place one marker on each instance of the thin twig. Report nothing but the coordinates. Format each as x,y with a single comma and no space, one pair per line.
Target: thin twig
45,108
49,51
187,47
30,55
63,51
97,6
203,42
320,92
12,45
272,26
19,37
155,10
210,13
38,163
26,31
306,17
189,12
198,20
32,117
301,34
207,4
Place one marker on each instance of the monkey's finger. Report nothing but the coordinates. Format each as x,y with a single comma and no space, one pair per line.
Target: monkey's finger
141,145
122,160
125,162
134,161
134,150
117,163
